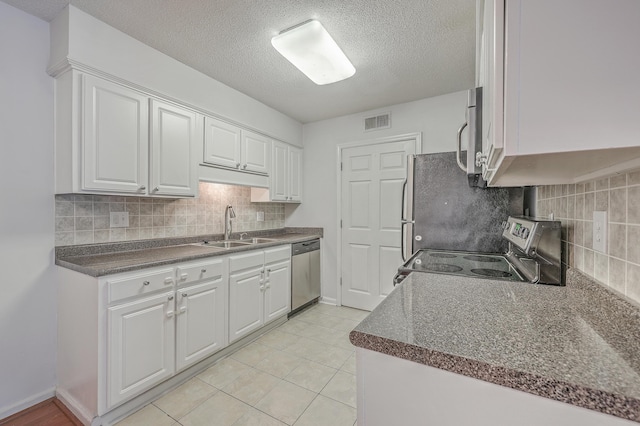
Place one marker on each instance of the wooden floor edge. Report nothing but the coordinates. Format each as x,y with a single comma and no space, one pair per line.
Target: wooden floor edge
67,412
53,400
27,410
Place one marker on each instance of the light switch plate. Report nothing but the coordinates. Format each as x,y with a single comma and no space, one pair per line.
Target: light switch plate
260,216
119,219
600,231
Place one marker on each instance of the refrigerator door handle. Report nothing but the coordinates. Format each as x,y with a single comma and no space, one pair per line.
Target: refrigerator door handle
406,221
459,151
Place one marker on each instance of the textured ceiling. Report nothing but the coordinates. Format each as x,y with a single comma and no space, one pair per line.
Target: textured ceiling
403,50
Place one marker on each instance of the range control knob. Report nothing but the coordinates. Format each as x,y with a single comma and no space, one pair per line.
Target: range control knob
525,233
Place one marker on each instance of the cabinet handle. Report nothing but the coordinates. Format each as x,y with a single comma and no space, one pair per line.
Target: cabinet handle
182,310
204,271
142,188
244,166
261,288
183,277
145,283
237,165
156,189
170,298
168,281
268,273
185,295
170,314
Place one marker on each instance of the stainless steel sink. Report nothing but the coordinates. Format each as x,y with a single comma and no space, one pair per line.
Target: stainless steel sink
258,240
225,244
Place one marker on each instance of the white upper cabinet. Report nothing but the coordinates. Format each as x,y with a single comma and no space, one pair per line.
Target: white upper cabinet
256,152
221,143
111,139
114,137
285,179
173,145
560,89
279,187
229,146
295,174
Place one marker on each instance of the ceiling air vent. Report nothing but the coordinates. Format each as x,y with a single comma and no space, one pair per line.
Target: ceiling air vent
378,122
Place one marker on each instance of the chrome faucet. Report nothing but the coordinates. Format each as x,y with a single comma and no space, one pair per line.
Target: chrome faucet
229,214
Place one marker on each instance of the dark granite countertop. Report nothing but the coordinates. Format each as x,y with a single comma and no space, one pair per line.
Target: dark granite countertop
98,260
578,344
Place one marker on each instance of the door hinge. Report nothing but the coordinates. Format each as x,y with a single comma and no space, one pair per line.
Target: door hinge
340,223
341,166
340,281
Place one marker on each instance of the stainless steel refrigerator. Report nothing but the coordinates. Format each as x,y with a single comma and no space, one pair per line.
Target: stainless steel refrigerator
442,211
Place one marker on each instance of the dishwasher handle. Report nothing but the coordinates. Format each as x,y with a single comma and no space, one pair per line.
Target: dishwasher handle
305,247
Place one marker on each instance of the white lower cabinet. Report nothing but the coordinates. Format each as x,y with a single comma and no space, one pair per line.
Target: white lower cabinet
277,292
141,346
201,313
259,289
123,334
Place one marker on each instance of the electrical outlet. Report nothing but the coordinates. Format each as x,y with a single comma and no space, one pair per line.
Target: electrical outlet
119,219
600,231
260,216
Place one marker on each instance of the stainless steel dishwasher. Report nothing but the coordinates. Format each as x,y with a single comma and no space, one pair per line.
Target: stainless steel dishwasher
305,274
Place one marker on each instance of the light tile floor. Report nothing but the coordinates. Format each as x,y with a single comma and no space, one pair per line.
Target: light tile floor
301,373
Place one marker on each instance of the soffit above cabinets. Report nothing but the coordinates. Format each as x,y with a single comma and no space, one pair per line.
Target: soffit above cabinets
403,50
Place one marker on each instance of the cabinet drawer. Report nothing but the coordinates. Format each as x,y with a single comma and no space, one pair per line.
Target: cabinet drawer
192,272
246,261
277,254
139,284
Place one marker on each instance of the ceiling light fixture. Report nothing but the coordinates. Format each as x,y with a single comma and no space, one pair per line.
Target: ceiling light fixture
313,51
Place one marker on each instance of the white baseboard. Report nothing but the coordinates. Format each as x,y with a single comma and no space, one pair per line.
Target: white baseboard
74,406
27,402
328,301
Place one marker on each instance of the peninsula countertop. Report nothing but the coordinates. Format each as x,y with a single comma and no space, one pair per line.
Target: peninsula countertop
98,260
578,344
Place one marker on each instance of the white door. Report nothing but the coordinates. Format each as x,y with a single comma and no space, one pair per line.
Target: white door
141,346
115,137
277,293
221,143
173,142
256,152
246,302
201,321
371,197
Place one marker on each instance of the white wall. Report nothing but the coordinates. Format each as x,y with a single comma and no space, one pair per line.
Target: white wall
436,118
91,42
28,301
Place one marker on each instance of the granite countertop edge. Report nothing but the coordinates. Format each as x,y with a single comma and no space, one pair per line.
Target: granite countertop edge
68,256
618,405
581,396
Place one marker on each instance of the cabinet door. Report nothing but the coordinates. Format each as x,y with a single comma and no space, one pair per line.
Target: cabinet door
140,346
221,143
493,91
173,143
295,174
246,302
256,152
115,137
279,172
277,294
201,321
